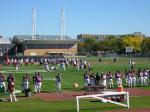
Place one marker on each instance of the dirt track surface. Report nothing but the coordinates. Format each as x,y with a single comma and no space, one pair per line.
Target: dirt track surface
137,92
66,95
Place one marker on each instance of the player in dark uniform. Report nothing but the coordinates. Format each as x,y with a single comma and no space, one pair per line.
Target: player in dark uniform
58,82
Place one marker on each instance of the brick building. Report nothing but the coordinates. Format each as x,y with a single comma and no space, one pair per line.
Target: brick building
44,45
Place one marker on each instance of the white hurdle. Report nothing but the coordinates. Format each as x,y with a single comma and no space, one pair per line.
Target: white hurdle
100,97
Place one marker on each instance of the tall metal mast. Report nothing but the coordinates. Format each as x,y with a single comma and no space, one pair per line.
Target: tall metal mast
34,24
63,24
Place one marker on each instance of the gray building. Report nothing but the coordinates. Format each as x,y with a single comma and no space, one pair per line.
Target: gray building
5,45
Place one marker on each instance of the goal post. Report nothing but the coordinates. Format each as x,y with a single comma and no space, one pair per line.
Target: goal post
102,97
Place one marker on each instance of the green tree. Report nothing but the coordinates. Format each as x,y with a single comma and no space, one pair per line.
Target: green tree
146,45
89,43
80,46
132,40
110,44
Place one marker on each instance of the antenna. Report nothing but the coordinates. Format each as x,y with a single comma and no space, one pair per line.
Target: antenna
63,24
34,24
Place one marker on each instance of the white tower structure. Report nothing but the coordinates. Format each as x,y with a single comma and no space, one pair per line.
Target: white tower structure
34,25
63,24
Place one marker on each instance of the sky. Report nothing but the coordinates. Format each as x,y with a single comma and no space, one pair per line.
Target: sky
81,17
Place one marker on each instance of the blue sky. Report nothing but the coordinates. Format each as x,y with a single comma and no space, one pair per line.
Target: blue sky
82,16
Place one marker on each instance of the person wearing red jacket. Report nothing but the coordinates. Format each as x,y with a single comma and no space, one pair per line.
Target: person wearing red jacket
11,87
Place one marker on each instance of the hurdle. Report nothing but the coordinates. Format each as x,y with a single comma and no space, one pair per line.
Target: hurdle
105,94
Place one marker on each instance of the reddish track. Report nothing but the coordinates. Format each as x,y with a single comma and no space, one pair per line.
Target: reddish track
70,94
138,92
66,95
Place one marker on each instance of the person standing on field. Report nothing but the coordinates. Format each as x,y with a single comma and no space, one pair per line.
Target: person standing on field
38,82
11,87
58,82
2,82
26,80
110,80
118,78
97,79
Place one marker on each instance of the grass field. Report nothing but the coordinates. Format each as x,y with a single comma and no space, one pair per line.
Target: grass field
69,77
37,105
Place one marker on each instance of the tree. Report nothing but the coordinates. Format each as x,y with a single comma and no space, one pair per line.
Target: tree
110,44
89,43
80,46
132,40
146,45
111,37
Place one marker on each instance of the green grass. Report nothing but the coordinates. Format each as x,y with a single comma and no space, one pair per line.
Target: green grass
37,105
69,77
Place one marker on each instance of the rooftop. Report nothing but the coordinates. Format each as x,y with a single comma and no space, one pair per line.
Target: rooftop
5,41
42,38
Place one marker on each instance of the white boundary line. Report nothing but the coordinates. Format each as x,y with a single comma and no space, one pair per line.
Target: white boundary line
23,71
100,96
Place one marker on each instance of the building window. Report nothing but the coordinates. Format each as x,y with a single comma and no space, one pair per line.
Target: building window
49,46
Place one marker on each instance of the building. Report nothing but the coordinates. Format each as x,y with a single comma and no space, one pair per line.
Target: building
5,44
44,45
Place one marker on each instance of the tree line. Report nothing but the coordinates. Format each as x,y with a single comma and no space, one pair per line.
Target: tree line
139,43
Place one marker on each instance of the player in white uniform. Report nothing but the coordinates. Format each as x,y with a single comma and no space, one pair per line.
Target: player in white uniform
17,66
130,79
141,78
86,79
78,66
133,79
118,78
145,77
47,67
110,79
103,77
38,83
92,79
26,81
2,81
